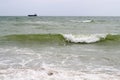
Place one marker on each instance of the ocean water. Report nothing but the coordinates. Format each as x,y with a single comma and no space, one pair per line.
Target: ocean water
59,48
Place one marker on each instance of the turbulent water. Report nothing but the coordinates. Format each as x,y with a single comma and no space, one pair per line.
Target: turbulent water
60,48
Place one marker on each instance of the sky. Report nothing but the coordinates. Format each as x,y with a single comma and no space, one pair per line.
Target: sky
60,7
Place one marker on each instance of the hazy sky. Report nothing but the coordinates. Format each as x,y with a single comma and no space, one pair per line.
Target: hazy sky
60,7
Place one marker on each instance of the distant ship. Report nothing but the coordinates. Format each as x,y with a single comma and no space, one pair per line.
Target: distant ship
32,15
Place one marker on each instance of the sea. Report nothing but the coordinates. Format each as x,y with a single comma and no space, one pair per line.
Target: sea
60,48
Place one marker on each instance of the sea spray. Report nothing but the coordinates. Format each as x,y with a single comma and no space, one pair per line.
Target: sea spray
84,38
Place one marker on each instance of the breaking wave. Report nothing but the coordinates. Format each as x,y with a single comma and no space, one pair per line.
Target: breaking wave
84,21
62,38
84,38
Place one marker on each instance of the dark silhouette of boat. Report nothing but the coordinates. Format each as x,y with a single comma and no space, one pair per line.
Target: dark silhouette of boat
32,15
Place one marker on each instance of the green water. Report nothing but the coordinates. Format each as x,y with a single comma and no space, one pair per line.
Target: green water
76,48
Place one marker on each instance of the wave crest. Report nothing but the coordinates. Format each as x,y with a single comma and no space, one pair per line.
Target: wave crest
60,38
84,21
84,38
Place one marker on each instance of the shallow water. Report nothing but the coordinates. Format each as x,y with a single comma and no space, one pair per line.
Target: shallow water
59,48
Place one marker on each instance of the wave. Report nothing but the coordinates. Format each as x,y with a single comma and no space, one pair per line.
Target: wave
84,38
84,21
92,38
61,38
34,38
87,21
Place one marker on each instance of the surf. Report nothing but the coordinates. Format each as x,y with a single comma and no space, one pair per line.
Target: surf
83,21
61,38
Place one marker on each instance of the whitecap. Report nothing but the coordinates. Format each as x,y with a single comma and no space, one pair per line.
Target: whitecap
91,38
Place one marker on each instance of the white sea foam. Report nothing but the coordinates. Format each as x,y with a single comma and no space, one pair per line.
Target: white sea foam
17,57
17,50
80,21
84,38
54,74
87,21
48,71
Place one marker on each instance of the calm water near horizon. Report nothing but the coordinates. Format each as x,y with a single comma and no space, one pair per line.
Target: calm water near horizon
59,48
